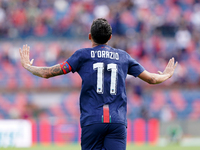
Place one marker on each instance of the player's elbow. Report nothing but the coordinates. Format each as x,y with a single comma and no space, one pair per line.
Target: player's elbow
46,76
152,80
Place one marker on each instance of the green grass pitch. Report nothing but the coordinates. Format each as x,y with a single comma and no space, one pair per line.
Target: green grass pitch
77,147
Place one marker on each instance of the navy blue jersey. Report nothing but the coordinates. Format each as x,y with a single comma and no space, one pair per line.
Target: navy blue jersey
103,70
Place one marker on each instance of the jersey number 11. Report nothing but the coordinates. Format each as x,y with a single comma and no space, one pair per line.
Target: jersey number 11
100,77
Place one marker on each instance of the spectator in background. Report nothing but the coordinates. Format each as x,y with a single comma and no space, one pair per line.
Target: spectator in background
183,38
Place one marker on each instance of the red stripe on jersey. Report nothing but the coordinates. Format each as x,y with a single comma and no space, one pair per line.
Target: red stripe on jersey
66,68
106,115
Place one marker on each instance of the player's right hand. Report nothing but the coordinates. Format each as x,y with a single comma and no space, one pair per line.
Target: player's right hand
24,54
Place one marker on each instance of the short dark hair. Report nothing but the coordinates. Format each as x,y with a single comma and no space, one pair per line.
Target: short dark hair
100,31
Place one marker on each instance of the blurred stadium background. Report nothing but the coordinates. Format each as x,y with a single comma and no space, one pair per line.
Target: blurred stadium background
150,31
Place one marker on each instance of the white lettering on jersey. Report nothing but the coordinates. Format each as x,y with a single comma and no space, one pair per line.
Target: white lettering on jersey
104,54
92,54
117,56
107,54
111,55
99,54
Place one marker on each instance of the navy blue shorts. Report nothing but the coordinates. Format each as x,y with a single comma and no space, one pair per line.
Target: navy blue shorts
105,136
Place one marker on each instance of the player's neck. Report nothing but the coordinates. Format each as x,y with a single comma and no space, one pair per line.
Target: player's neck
95,44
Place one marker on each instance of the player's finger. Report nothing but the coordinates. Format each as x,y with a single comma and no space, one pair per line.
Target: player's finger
31,61
20,52
23,49
172,62
21,55
175,65
168,63
26,49
159,72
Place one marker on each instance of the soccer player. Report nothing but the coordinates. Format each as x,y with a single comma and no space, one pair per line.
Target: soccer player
103,101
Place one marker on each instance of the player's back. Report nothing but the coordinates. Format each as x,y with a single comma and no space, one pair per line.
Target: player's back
103,70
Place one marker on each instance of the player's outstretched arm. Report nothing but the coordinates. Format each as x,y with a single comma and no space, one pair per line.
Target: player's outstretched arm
153,78
44,72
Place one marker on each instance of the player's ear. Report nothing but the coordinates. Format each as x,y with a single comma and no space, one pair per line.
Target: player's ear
89,36
110,37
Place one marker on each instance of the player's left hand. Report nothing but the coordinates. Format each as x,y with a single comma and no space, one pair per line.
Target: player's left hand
24,54
170,68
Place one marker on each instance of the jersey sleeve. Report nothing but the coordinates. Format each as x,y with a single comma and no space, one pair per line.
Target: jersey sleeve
75,61
135,68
